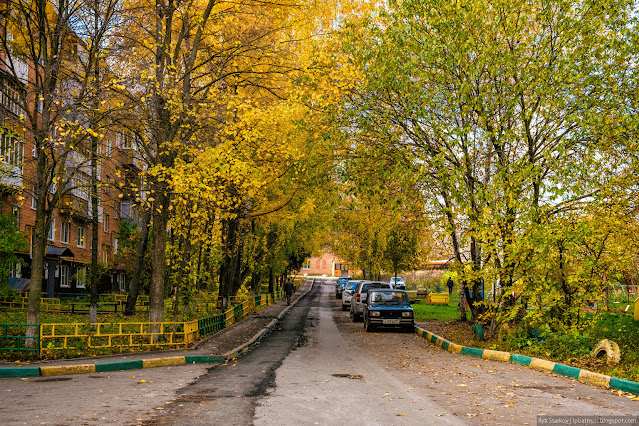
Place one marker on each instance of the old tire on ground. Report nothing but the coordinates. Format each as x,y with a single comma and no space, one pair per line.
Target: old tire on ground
608,348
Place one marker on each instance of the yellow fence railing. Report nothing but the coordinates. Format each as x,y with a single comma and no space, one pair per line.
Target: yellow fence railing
78,336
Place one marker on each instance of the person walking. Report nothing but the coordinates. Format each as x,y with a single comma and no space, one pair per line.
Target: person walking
289,288
450,284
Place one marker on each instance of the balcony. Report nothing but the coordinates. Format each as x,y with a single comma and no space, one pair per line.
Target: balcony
74,206
130,158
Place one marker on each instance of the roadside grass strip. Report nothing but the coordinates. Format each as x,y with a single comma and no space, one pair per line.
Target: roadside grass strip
581,375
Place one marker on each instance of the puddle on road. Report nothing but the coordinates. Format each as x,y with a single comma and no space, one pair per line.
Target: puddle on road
348,376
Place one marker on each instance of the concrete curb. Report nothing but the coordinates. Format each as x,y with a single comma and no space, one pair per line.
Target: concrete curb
581,375
236,352
59,370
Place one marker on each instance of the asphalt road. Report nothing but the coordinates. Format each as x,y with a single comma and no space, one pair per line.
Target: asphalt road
317,368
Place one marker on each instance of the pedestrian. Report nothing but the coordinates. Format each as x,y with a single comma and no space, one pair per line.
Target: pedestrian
289,288
450,284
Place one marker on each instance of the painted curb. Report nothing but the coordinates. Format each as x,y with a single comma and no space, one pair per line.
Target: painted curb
61,370
581,375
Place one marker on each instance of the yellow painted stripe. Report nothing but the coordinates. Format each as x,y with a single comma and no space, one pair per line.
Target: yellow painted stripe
496,355
429,335
542,364
163,362
67,369
453,347
439,341
594,378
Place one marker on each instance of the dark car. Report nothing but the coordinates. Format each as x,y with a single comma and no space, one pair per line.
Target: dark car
339,287
388,308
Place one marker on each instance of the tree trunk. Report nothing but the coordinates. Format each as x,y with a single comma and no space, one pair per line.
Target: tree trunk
93,299
39,241
158,258
134,286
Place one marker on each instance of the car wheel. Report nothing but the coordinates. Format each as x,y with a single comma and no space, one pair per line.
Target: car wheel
367,326
343,307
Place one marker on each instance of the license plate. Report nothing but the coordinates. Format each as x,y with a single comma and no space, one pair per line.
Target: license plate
390,321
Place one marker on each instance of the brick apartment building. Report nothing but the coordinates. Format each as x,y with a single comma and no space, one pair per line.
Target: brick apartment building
326,264
68,252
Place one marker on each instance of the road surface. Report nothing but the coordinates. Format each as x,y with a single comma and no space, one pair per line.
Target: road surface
318,367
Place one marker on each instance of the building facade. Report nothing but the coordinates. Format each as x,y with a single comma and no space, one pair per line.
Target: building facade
69,242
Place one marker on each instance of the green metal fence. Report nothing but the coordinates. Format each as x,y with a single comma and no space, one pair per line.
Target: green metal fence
13,337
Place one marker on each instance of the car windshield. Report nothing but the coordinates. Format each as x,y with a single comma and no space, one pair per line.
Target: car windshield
389,298
352,285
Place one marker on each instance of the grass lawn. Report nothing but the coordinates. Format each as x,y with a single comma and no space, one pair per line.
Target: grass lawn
425,312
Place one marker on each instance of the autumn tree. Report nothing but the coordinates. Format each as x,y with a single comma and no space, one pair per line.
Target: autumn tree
52,68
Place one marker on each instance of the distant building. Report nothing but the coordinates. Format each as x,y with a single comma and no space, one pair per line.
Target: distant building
327,264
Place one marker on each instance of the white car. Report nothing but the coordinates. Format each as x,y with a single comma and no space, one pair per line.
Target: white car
398,283
348,293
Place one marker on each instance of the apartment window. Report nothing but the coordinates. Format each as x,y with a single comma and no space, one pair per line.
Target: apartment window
81,241
105,221
15,270
109,148
116,243
34,200
64,276
307,264
105,253
11,149
81,277
121,278
115,212
64,232
51,234
15,212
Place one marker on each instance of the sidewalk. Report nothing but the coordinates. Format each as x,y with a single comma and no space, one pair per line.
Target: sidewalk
226,344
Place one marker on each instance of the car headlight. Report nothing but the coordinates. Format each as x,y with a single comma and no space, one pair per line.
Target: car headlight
407,314
374,313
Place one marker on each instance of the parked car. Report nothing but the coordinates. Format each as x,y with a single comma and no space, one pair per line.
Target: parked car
348,293
359,297
339,287
388,308
398,283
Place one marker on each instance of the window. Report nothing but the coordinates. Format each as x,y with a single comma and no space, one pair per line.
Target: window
51,233
108,148
116,243
64,276
34,200
64,232
81,277
105,221
11,149
121,278
15,270
15,212
81,240
115,212
105,253
307,264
